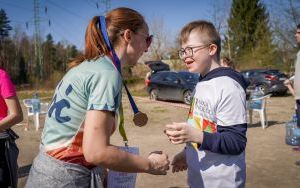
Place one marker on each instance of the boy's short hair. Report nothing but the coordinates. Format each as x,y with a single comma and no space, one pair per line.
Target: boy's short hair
210,34
298,26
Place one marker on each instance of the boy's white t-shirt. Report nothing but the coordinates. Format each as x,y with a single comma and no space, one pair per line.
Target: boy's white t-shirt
218,101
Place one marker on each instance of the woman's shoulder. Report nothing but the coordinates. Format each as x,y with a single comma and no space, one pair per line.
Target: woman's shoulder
101,64
3,74
2,71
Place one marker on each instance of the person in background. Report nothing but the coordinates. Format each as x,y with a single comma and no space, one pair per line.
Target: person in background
86,106
10,114
227,62
295,90
293,84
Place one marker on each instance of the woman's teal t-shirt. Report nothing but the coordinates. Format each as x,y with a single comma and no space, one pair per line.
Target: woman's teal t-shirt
92,85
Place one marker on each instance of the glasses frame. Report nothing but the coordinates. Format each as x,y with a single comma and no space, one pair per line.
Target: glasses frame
182,53
148,38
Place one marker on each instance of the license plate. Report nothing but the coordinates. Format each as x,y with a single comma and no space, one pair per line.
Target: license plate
282,79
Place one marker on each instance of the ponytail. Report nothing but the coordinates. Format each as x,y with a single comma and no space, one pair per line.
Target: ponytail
117,21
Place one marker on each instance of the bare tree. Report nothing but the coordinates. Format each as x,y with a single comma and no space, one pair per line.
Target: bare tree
285,16
161,41
219,11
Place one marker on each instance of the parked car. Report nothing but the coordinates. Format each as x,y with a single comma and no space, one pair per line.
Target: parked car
170,85
268,80
155,67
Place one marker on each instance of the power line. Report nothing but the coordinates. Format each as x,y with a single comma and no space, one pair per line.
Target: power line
63,30
37,44
16,6
70,12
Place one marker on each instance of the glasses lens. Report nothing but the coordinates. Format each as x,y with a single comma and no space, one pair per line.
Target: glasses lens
149,40
189,51
181,53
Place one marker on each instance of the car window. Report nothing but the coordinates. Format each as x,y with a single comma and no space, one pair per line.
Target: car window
248,74
276,73
157,76
170,77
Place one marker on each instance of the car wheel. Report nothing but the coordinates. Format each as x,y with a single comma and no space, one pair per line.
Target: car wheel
187,97
154,94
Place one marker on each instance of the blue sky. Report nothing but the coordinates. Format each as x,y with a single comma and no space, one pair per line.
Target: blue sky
69,18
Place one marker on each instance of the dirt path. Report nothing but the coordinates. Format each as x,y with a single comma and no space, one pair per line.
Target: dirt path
270,162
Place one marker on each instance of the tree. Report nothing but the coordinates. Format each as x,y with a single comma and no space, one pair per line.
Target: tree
4,32
249,39
219,14
161,42
285,16
49,56
4,25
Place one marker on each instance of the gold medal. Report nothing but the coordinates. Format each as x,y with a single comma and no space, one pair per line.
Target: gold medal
140,119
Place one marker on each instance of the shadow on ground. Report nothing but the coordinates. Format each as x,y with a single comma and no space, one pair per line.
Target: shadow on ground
270,123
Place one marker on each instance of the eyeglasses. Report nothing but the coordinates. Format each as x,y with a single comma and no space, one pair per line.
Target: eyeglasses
148,39
189,51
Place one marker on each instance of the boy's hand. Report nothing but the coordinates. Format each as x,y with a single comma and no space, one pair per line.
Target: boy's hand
179,133
179,162
159,163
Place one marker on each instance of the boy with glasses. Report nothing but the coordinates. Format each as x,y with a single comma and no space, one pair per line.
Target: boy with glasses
215,131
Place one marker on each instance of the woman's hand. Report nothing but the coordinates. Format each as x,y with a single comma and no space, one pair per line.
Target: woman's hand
159,163
179,133
179,162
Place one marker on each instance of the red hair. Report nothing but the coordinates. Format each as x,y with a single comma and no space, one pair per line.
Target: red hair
117,21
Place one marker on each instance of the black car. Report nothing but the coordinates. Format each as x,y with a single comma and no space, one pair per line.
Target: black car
268,80
170,85
157,66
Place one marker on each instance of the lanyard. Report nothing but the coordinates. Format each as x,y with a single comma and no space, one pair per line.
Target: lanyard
141,118
116,61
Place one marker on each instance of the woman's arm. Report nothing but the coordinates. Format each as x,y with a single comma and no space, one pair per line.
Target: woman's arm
15,114
97,149
288,84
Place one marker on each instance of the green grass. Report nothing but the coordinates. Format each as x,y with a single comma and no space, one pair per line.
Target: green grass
139,93
136,87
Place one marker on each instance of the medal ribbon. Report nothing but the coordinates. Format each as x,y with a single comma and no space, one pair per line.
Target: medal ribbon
117,64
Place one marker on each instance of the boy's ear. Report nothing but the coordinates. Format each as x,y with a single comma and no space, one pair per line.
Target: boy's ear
213,49
127,35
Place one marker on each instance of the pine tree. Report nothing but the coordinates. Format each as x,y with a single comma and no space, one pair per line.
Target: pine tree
249,39
4,25
4,32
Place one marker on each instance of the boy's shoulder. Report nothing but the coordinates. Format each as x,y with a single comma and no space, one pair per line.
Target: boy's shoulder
225,77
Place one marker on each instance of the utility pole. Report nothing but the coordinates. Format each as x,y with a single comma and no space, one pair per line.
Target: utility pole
37,43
